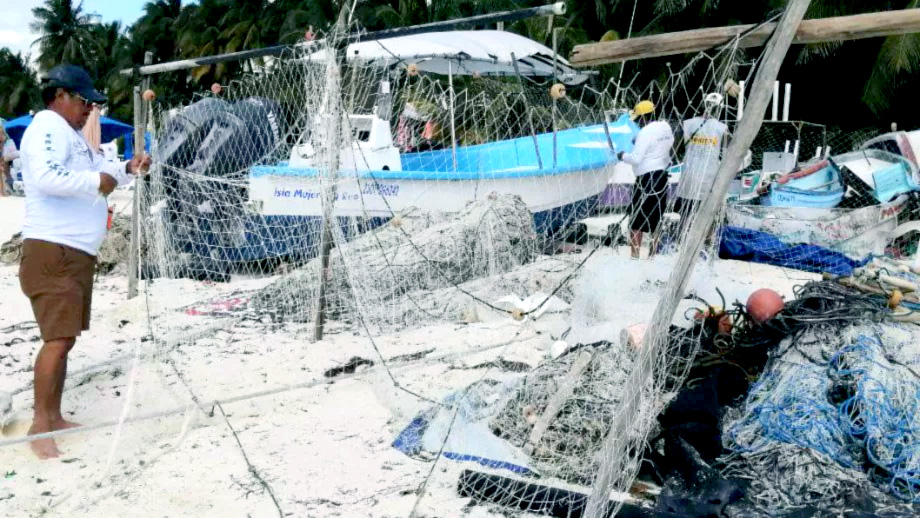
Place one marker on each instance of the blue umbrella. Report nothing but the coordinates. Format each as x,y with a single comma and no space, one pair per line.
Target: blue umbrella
111,128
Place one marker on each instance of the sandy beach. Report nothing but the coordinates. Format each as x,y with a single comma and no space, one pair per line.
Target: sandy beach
318,446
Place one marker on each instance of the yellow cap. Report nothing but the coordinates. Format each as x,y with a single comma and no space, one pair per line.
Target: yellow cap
643,108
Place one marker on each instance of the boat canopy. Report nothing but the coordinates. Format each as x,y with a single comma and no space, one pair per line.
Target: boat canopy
463,53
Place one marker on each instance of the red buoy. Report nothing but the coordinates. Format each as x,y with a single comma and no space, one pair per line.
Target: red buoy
764,304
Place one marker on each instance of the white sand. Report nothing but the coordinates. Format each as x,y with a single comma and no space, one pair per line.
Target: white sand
325,449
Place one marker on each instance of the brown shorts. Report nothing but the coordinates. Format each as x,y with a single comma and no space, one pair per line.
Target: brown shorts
58,280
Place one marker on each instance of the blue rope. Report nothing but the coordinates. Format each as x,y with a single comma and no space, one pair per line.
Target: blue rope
878,423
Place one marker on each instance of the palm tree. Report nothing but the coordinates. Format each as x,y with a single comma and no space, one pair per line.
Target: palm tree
157,30
18,85
66,35
198,34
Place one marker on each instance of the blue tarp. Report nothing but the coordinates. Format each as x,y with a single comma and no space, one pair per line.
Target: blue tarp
760,247
129,145
111,128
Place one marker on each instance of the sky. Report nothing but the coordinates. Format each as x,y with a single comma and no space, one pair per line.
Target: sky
16,15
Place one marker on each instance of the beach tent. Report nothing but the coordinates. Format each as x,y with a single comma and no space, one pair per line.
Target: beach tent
111,128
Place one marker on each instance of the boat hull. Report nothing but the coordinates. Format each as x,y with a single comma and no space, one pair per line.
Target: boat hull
854,232
369,196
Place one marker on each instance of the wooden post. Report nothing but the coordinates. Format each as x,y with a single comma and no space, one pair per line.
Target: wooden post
453,115
140,127
555,101
333,109
841,28
618,438
533,131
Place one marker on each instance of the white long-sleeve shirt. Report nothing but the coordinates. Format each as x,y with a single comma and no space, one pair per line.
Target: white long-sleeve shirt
60,173
652,150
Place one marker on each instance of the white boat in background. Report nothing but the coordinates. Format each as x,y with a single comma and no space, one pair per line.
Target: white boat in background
376,180
853,232
882,174
901,143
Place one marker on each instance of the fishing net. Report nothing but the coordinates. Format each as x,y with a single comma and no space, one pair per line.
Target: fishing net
380,200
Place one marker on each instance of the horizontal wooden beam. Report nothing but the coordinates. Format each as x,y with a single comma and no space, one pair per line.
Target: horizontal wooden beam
822,30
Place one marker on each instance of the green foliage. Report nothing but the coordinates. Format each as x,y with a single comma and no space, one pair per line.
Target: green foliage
18,85
872,78
67,35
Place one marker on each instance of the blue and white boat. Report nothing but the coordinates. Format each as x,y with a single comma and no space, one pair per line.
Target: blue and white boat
446,179
818,186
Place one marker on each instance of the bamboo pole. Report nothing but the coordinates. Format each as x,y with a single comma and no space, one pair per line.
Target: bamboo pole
617,440
841,28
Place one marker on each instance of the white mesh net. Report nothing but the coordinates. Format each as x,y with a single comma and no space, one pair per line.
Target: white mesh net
478,278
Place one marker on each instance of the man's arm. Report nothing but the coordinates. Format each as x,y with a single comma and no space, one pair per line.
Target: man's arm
639,150
46,156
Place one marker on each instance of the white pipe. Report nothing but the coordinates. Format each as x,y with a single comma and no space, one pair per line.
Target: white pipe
786,149
741,101
786,102
795,151
818,152
827,151
775,116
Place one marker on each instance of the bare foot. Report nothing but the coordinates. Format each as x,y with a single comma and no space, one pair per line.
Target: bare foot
63,424
43,448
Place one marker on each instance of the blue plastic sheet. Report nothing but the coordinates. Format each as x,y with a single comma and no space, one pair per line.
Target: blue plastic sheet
760,247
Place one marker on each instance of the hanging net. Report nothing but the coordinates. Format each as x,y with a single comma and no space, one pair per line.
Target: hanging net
462,237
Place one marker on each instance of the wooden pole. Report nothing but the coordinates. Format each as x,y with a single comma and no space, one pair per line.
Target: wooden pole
841,28
618,438
140,126
533,131
333,109
555,101
453,114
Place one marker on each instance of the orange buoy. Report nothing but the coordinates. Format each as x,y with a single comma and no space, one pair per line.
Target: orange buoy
764,304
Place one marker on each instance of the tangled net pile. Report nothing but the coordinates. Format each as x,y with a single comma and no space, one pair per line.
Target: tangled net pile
834,417
581,424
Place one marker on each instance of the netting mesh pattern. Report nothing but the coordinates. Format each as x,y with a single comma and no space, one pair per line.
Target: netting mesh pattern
443,200
423,231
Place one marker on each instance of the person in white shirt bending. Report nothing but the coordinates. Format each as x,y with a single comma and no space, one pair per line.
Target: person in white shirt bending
650,158
705,137
66,183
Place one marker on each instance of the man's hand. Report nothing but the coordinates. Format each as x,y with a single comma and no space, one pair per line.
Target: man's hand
107,184
139,165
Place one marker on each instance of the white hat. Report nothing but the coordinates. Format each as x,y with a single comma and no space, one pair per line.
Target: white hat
714,99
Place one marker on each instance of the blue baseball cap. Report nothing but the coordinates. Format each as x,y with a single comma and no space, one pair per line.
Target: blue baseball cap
74,79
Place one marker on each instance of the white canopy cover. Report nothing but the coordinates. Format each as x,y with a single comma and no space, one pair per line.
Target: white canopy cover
465,53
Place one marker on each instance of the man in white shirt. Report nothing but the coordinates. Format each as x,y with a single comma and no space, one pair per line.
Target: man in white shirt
66,183
704,136
650,158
